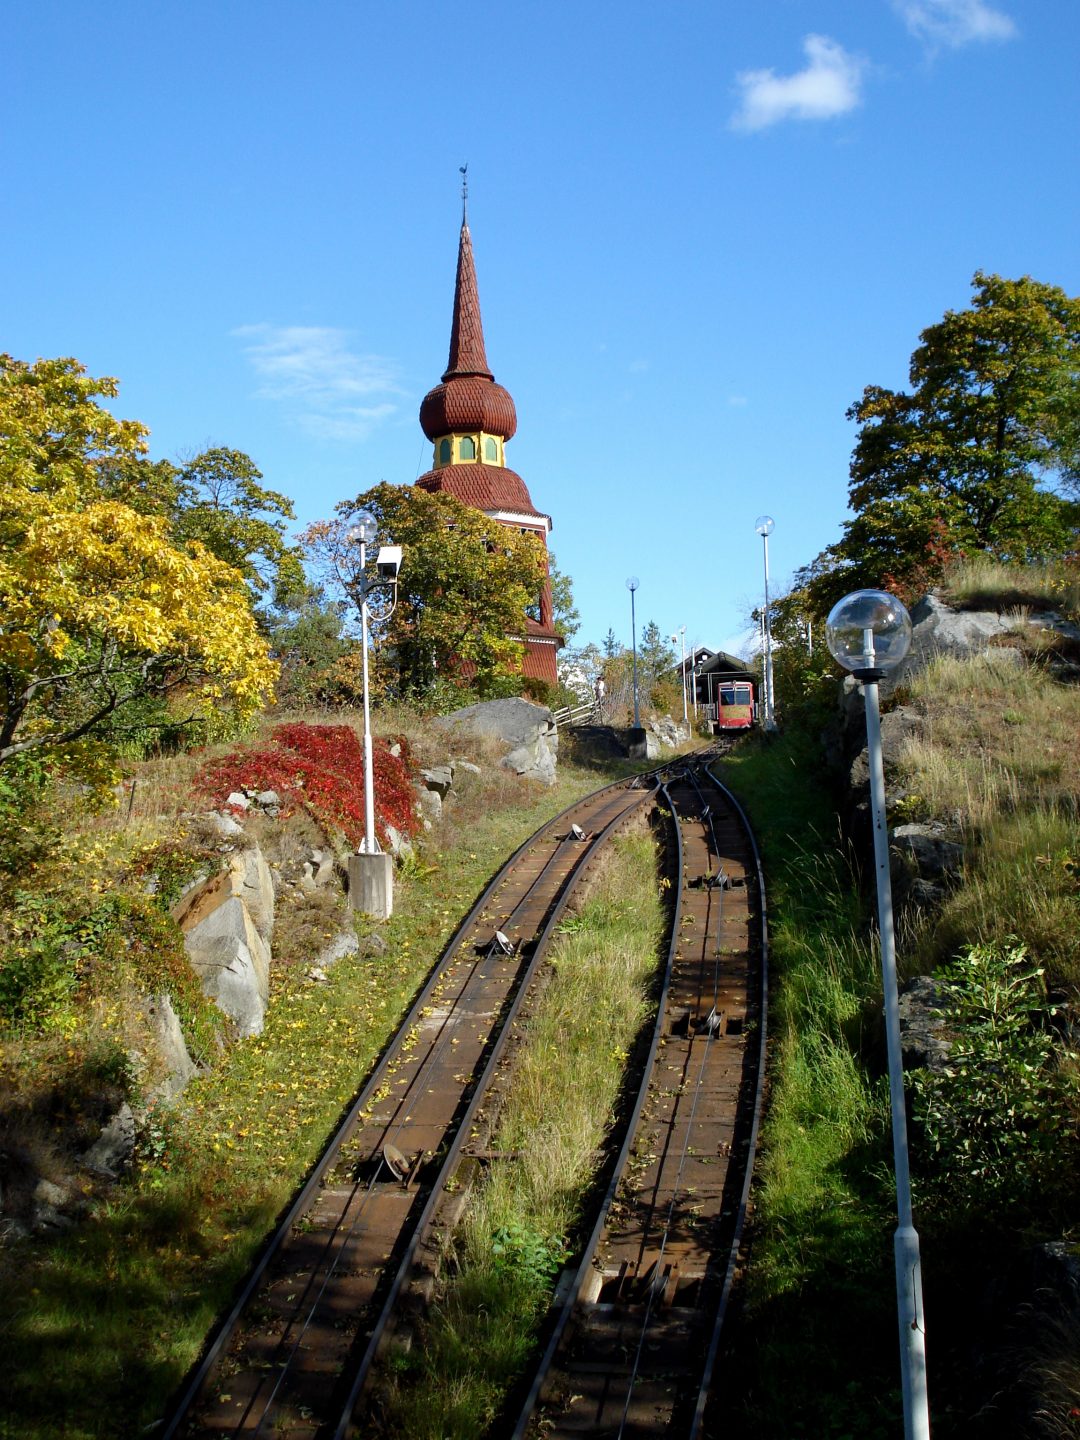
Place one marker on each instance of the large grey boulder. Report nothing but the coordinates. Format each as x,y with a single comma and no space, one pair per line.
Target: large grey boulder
227,925
526,730
936,629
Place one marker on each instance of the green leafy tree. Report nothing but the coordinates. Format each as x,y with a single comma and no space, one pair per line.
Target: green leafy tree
962,462
221,504
567,620
465,585
655,654
611,645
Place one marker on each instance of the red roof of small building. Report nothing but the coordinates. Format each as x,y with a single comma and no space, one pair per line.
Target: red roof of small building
485,487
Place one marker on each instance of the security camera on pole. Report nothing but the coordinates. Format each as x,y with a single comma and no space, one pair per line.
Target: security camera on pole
869,633
371,870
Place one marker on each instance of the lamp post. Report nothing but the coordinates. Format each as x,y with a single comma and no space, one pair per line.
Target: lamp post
680,639
632,585
362,533
869,633
764,525
371,870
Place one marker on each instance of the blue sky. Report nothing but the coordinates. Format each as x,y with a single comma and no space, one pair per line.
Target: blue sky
700,229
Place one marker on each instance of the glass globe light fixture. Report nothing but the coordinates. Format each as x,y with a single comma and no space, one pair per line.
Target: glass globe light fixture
764,525
633,583
362,530
868,633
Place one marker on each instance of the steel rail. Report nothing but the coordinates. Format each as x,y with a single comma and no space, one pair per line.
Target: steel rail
755,1124
575,1284
345,1426
572,1292
197,1380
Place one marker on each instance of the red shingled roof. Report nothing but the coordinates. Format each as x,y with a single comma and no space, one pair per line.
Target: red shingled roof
485,487
468,403
467,355
468,398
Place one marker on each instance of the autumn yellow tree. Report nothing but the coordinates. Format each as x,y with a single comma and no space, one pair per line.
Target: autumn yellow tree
102,606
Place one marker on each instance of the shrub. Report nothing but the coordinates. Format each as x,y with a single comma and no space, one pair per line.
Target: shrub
321,768
992,1118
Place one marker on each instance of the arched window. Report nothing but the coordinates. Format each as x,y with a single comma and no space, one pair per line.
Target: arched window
491,448
445,451
466,448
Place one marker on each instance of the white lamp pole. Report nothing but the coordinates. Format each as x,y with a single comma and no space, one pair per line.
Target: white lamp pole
869,633
632,585
764,525
362,533
680,639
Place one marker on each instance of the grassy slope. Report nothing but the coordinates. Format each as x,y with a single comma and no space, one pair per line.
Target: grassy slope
102,1322
818,1355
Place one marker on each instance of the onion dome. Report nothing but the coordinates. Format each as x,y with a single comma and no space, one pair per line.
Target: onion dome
468,398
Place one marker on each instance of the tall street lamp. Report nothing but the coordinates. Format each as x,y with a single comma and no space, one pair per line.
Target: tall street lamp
632,585
764,525
680,640
869,633
372,871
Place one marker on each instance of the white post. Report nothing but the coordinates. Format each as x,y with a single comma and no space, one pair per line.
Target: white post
909,1297
770,702
685,711
371,844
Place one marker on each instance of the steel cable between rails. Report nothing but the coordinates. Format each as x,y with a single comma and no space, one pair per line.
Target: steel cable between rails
198,1377
345,1426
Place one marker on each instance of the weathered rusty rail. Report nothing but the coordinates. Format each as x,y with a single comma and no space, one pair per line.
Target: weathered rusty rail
294,1351
634,1339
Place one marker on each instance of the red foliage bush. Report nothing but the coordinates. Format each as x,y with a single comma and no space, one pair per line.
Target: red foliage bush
321,767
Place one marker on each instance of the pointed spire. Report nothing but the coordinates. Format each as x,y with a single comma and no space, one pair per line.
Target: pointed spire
467,355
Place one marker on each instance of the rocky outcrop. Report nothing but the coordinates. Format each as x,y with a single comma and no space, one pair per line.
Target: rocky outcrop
527,732
227,923
111,1152
164,1024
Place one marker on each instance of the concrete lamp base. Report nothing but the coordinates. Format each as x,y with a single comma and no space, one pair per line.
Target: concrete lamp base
637,743
371,884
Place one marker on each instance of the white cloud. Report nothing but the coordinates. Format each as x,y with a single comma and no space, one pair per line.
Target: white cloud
322,385
738,402
829,85
955,22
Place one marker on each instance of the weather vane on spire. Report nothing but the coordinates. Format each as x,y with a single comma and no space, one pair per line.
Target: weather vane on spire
463,170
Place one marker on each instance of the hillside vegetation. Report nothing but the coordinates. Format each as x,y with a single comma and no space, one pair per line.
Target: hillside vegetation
992,766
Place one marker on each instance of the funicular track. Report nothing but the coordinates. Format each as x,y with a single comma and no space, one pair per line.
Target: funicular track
634,1340
293,1353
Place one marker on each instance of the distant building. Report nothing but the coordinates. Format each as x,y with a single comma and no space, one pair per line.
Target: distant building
469,420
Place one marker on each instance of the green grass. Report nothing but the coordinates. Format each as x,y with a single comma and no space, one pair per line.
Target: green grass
101,1323
522,1216
817,1356
984,583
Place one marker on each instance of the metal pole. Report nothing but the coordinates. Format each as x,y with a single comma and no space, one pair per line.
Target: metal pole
909,1299
371,845
633,641
769,701
685,714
